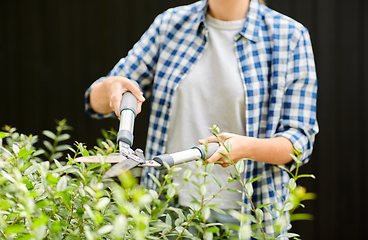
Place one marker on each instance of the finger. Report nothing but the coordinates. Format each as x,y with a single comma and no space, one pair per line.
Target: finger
223,136
214,158
139,107
115,102
217,157
209,139
131,87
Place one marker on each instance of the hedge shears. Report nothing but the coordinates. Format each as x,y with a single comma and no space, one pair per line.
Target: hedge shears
129,158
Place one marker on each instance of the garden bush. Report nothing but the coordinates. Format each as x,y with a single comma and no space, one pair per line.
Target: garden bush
46,194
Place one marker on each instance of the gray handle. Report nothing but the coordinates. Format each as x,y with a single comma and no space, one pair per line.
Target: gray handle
211,149
187,155
128,112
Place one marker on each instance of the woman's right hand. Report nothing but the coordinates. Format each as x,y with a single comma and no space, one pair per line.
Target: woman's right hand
106,96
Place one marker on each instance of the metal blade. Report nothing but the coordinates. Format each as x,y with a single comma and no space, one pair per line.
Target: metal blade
120,167
97,159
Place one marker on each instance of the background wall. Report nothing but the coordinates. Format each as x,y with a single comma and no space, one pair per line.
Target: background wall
51,51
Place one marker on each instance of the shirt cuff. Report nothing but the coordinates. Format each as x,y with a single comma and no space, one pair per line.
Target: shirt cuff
301,143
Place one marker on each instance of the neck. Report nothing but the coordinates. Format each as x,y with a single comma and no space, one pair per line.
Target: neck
228,10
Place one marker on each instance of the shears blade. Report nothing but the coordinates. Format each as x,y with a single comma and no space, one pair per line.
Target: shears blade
120,167
113,158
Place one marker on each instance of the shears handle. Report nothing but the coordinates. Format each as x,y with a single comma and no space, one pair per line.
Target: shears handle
187,155
128,112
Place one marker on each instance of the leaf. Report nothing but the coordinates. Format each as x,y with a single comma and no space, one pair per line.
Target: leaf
288,206
245,231
2,134
208,236
260,214
285,169
228,146
171,191
206,213
56,155
57,163
88,233
244,205
102,203
218,210
105,229
187,174
292,184
249,189
168,220
288,235
51,179
14,229
153,194
62,184
66,197
216,129
216,179
90,191
167,166
233,190
85,153
30,170
226,157
49,134
213,229
24,153
203,189
254,179
210,167
90,213
155,179
306,176
176,169
63,137
42,204
40,221
16,149
296,159
301,216
62,148
240,166
264,205
61,169
120,225
48,145
55,226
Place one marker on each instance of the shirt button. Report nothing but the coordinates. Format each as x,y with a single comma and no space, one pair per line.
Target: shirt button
182,72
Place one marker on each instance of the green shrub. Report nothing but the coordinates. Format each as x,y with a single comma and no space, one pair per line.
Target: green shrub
45,198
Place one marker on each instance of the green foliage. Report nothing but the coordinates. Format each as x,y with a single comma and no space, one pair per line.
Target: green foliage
63,199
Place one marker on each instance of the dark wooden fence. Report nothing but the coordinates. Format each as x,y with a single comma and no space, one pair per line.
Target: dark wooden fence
51,51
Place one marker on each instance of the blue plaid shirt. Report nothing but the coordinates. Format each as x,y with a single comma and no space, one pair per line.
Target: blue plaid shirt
276,63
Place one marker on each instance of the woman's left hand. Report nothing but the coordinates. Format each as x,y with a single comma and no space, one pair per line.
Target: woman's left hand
241,147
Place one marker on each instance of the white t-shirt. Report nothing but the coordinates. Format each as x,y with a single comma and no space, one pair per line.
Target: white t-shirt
211,94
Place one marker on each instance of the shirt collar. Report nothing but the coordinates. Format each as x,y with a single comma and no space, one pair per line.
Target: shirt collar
251,25
252,22
202,11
